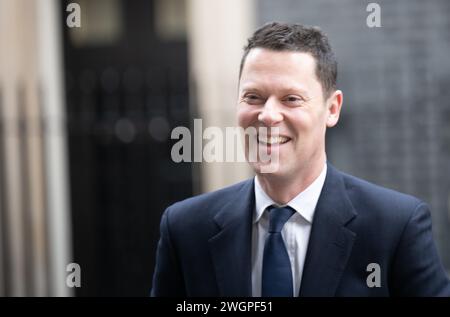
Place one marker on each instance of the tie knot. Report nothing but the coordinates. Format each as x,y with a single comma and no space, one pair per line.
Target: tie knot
278,217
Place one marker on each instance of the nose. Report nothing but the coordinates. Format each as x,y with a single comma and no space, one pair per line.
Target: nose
270,114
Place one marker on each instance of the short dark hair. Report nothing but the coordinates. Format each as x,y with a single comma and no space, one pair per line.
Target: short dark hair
296,37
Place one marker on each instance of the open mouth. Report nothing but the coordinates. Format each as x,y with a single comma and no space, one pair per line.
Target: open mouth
273,140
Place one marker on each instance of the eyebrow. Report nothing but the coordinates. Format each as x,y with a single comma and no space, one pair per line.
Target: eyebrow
291,89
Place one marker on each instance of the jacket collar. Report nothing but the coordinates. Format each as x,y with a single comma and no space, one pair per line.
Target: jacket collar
329,246
231,248
331,242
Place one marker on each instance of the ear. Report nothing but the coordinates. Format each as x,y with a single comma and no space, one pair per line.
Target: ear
334,104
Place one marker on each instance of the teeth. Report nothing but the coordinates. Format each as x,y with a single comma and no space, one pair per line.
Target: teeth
273,139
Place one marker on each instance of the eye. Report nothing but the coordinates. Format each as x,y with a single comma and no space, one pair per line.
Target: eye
253,99
293,100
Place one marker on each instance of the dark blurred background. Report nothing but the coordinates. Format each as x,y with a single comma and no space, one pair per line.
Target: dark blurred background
86,117
123,97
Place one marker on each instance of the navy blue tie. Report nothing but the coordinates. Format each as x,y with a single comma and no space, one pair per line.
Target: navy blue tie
276,270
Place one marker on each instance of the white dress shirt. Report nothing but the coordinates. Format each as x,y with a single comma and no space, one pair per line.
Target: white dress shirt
295,232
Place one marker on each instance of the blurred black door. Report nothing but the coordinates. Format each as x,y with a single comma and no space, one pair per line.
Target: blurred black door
126,88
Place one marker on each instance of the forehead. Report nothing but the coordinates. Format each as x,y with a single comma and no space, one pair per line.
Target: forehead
279,67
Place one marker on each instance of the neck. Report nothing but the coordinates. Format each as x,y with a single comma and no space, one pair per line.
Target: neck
283,189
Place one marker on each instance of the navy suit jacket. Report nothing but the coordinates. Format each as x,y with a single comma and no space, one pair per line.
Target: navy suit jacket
205,243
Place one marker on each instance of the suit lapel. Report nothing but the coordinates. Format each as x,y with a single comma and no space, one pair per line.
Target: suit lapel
331,242
231,247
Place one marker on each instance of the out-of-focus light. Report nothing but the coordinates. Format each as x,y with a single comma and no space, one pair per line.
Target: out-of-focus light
125,130
159,128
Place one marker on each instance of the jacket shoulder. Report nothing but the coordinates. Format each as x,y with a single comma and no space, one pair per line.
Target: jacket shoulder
382,201
204,206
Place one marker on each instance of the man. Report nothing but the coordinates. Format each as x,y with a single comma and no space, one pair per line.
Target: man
305,229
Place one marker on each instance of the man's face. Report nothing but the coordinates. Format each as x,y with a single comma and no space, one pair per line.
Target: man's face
280,89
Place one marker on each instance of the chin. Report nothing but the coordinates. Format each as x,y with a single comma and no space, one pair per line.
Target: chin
269,170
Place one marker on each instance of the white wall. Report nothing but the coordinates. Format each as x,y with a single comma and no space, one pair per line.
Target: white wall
34,214
217,33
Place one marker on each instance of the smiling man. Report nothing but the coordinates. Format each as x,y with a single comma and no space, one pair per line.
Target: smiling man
304,229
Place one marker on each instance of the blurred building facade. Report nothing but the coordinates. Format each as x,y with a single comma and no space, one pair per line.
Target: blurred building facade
35,235
86,117
126,88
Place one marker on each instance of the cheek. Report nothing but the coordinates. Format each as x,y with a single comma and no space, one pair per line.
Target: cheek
305,128
300,122
245,116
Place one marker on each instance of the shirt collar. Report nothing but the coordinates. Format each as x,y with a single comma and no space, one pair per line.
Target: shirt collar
304,203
